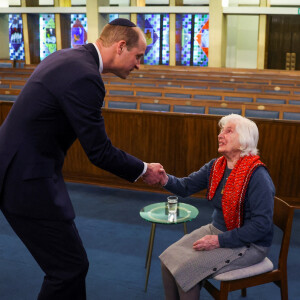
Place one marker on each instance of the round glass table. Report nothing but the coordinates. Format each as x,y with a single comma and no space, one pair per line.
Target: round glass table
157,213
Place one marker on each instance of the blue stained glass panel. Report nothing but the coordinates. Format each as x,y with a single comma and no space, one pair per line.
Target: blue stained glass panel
47,35
201,41
156,29
16,42
192,39
78,30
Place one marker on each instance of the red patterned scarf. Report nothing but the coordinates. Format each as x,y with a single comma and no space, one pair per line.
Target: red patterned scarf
235,187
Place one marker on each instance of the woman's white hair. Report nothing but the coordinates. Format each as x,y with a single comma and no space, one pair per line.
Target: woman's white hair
247,131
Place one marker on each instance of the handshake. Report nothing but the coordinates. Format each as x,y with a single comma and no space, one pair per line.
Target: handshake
155,174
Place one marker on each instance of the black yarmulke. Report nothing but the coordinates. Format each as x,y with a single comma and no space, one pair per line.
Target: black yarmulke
122,22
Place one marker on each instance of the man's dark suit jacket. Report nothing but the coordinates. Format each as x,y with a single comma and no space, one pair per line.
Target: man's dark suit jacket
61,101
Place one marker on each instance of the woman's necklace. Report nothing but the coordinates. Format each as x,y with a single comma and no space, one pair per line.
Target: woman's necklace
226,175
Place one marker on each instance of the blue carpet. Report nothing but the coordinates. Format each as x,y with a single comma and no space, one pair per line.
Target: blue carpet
116,241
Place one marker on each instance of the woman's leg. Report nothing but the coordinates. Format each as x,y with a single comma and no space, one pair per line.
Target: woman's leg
173,291
192,294
170,286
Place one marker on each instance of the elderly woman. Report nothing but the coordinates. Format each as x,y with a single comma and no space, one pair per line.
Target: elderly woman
241,192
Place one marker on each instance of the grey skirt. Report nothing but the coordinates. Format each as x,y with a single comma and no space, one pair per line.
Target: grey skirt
189,266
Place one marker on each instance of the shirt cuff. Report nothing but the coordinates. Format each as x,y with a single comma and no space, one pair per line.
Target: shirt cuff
144,171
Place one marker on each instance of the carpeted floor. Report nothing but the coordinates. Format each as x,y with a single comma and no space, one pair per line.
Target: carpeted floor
116,241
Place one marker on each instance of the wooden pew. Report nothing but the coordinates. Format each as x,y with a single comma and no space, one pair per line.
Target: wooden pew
170,104
275,78
190,93
276,111
234,73
205,85
12,84
182,143
186,93
6,63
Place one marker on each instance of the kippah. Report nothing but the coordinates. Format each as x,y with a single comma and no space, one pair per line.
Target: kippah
122,22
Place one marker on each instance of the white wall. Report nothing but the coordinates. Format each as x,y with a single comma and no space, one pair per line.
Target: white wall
4,38
242,36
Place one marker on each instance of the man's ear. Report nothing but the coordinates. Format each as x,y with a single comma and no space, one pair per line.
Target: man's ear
121,46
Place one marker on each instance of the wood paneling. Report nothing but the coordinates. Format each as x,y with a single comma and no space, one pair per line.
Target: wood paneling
65,23
34,38
182,144
283,37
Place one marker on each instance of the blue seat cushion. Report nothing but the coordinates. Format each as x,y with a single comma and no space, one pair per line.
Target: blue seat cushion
116,92
277,92
6,65
189,109
174,95
170,85
276,101
266,114
120,83
8,97
150,94
249,90
222,88
18,87
208,97
224,111
155,107
239,99
144,84
291,116
122,105
203,87
294,102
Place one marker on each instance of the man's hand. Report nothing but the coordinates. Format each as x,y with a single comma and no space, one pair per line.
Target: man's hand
208,242
154,173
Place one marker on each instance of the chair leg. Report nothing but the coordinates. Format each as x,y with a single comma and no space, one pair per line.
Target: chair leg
244,292
284,289
224,290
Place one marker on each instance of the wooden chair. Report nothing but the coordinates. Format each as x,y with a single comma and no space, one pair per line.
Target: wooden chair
237,279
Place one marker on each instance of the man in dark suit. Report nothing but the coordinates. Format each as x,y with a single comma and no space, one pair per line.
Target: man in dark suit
62,101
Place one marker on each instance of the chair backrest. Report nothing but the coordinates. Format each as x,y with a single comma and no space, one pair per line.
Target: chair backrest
283,218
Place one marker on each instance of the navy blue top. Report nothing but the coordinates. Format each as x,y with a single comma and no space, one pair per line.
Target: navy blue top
257,224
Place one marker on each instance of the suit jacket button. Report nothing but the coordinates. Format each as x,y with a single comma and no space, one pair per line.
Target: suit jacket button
227,261
240,254
215,269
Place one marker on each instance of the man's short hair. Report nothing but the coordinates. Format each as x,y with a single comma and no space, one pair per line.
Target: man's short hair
114,33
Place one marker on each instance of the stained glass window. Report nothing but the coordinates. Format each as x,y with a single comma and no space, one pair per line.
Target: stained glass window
78,30
16,42
47,35
192,32
156,29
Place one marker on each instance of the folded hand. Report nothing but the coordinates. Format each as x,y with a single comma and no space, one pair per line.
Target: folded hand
208,242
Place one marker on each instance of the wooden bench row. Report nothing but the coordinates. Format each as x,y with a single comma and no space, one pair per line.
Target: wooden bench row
197,94
255,110
200,85
182,144
206,85
265,79
190,74
188,94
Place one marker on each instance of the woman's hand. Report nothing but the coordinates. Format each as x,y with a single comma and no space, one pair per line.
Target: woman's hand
208,242
163,177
